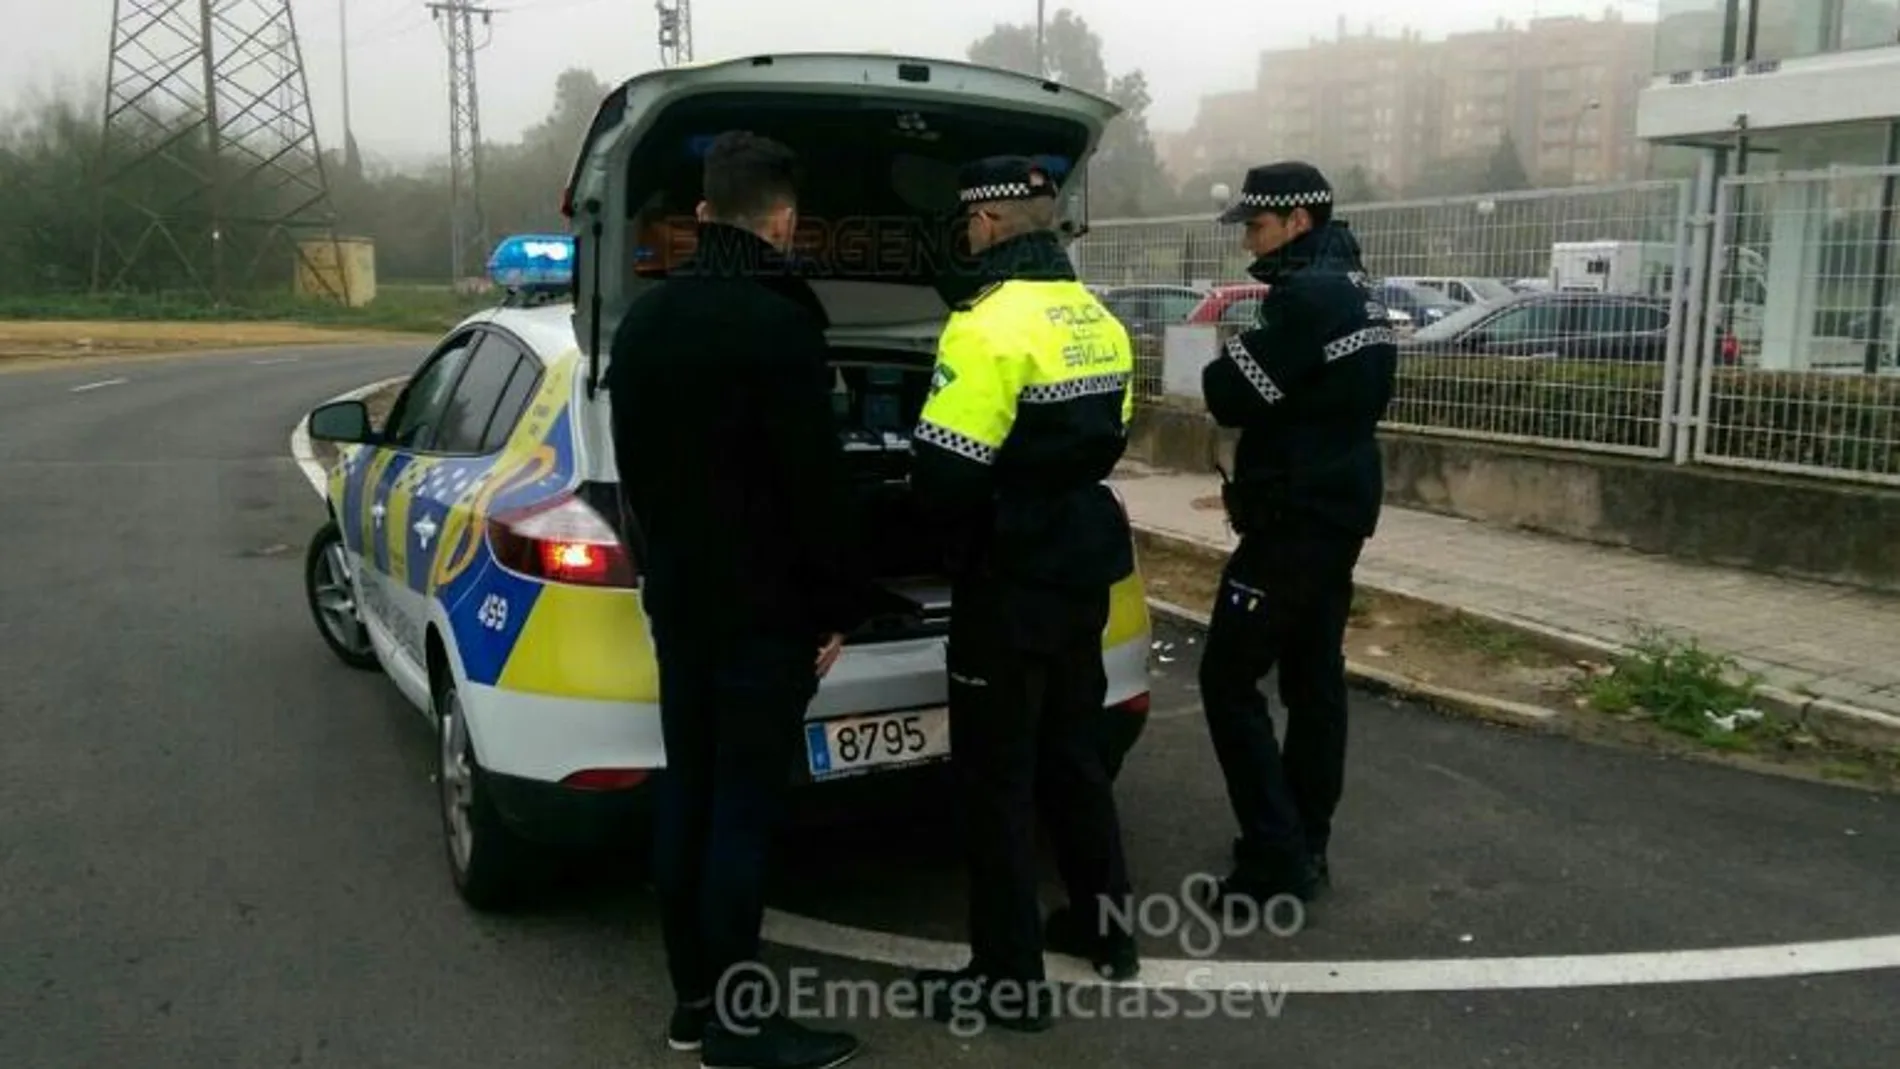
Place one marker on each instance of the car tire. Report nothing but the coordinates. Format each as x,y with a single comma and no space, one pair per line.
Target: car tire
491,865
331,593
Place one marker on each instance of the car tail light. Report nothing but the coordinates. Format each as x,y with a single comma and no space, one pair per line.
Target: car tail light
567,202
561,541
606,779
1135,706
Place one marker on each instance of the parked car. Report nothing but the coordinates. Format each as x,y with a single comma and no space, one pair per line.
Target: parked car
1148,310
1468,289
476,550
1238,304
1424,306
1574,326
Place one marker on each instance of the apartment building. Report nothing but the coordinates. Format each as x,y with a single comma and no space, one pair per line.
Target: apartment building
1564,88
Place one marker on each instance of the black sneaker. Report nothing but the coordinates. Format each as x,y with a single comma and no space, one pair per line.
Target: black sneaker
950,997
776,1043
1113,954
687,1028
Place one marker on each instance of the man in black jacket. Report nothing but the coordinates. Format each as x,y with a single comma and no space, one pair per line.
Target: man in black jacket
732,473
1307,387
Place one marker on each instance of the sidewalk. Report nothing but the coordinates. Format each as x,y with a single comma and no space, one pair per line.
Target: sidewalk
1810,638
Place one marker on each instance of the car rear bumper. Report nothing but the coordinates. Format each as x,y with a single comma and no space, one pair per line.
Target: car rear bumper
551,741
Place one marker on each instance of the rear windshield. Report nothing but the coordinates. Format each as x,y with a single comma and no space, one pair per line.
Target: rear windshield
879,185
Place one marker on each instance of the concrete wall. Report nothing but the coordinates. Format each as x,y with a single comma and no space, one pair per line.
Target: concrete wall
1804,528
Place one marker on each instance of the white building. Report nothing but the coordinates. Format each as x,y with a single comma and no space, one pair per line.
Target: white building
1794,109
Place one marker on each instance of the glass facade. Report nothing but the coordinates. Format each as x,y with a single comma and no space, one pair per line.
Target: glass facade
1693,34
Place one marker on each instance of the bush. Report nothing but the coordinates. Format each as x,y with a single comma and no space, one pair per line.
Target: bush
1842,421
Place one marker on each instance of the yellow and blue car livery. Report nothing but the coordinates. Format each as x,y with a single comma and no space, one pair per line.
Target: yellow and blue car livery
548,658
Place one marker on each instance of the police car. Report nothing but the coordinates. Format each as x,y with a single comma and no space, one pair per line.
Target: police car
475,550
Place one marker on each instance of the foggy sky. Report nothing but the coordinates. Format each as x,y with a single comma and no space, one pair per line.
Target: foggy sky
398,66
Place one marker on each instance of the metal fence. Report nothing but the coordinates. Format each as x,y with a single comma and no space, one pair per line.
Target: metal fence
1784,360
1802,341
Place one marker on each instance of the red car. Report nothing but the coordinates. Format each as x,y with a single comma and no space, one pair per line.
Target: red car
1236,304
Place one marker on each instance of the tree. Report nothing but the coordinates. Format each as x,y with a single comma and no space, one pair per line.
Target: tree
1125,177
1505,171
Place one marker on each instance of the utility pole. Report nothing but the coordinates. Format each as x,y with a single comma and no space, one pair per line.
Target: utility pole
468,230
1042,64
209,161
343,44
676,31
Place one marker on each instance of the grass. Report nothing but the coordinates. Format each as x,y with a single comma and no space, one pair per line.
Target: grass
1496,642
422,309
1682,688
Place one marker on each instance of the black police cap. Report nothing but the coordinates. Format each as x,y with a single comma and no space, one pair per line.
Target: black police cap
1281,186
1003,178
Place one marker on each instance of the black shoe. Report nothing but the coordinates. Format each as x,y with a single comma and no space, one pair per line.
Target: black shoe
954,997
687,1028
774,1043
1270,895
1321,876
1112,954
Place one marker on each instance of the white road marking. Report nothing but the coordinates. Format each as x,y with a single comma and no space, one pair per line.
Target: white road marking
100,385
1377,977
1770,961
277,360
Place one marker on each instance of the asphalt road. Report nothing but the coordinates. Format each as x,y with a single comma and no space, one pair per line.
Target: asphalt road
219,847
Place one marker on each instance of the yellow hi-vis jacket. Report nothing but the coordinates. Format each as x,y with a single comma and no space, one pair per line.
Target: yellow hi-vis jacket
1028,413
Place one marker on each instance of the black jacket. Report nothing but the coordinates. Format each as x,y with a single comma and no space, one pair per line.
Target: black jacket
1307,387
727,450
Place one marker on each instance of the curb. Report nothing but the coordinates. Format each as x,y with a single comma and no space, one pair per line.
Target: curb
1827,717
300,448
1392,684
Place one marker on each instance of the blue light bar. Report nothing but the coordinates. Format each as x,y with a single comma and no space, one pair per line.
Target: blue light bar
533,261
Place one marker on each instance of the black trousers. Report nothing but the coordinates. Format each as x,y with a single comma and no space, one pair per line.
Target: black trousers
1283,602
1026,691
731,712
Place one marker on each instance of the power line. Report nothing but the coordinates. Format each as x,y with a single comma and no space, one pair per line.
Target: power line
209,155
468,229
676,31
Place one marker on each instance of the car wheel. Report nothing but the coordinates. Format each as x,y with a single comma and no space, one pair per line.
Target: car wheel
332,597
490,864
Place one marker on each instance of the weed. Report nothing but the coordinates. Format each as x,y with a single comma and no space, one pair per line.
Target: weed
1681,687
1489,639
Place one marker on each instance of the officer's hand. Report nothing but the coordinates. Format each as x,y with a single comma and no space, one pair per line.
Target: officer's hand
828,654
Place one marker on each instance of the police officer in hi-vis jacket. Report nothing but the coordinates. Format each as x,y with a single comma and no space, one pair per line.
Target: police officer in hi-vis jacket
1027,418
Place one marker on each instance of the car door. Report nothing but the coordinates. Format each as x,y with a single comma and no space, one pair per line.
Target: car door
409,432
448,471
1532,329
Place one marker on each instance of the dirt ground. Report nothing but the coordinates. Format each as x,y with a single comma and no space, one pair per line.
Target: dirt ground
33,341
1439,646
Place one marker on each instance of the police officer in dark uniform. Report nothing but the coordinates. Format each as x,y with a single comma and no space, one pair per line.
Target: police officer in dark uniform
1026,419
1306,386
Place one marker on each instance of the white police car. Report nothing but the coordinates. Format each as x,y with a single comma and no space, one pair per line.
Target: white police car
472,551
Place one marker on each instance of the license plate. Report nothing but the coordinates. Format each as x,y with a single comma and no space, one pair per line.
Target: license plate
857,744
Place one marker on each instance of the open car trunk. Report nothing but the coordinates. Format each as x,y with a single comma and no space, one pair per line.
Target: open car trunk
877,395
881,139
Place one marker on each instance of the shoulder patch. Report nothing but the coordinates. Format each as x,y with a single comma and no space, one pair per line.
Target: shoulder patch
942,377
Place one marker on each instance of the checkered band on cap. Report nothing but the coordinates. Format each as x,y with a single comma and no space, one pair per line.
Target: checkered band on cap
1286,200
997,191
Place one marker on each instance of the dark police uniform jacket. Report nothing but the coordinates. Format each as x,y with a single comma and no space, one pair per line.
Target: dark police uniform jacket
1307,386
